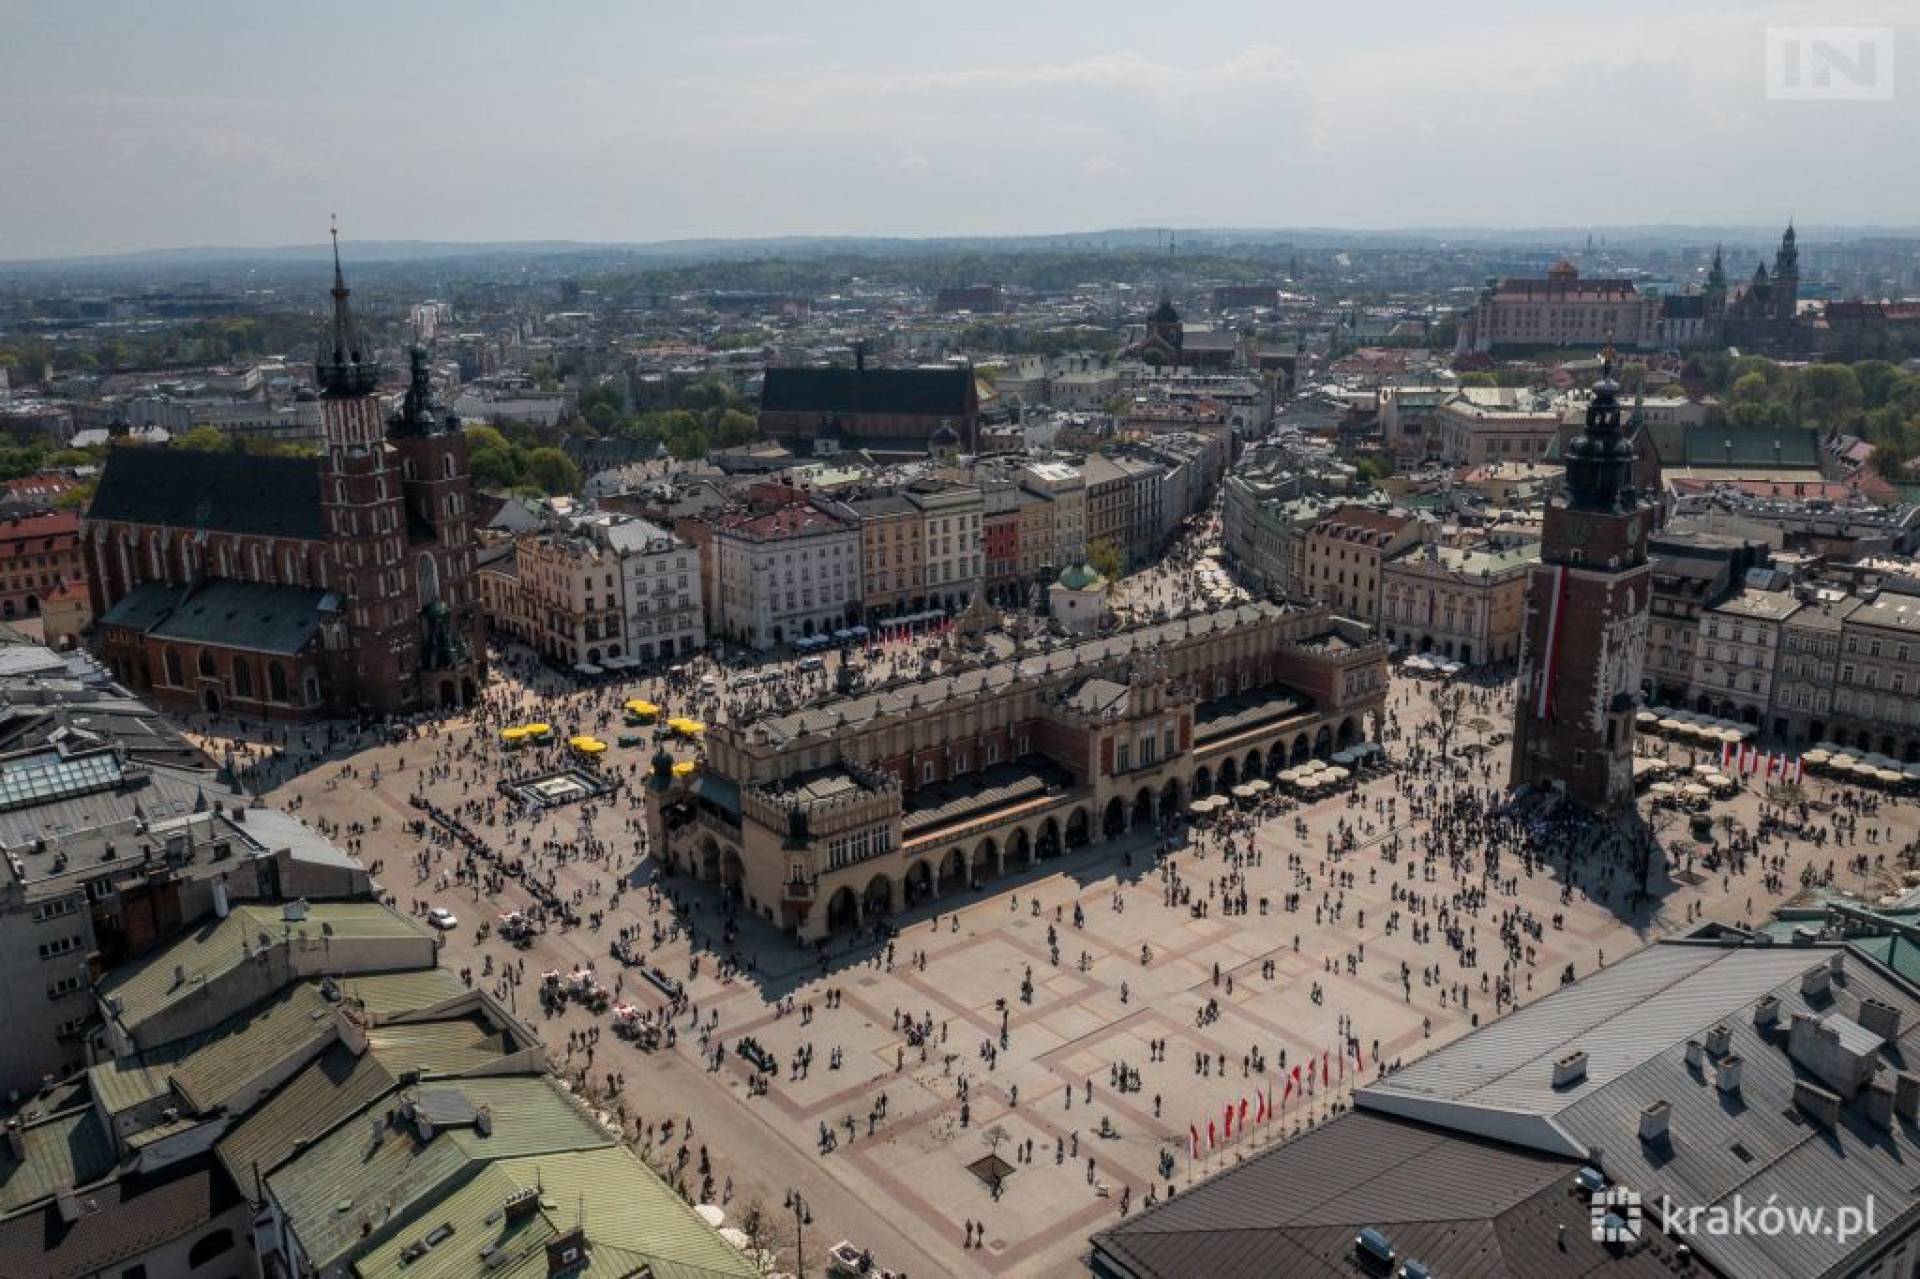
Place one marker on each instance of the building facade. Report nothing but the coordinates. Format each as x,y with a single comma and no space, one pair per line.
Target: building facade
784,573
1561,310
1467,604
1345,554
39,556
858,806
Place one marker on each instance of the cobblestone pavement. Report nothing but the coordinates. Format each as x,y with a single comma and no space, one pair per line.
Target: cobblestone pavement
1281,984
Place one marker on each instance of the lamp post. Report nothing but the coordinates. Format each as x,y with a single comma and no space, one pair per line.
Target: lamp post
801,1216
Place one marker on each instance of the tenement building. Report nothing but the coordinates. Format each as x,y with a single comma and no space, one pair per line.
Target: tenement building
297,586
881,798
1586,628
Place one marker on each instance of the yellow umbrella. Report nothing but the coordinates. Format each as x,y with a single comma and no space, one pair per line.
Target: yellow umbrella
512,734
641,706
687,727
587,745
686,768
539,730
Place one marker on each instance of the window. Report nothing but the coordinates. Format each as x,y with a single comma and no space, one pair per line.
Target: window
206,664
242,678
60,946
277,682
64,986
174,675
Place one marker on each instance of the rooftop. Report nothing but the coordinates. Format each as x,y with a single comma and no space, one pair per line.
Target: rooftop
148,986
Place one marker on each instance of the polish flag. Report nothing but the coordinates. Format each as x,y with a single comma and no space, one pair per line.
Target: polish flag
1359,1059
1726,754
1229,1123
1259,1108
1193,1142
1212,1139
1293,1083
1799,769
1243,1113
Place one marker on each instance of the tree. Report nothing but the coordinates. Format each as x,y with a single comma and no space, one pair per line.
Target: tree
1106,560
205,439
553,471
1633,377
1828,395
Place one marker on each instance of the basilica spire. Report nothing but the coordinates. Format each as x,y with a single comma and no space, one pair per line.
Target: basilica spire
345,364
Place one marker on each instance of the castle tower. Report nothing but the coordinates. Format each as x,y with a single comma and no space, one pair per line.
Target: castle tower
1786,277
1586,623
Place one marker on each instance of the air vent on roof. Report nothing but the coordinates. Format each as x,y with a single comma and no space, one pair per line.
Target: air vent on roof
1570,1069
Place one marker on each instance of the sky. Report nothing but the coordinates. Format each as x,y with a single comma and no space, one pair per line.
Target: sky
207,122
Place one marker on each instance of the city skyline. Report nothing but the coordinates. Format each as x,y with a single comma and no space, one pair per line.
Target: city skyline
137,129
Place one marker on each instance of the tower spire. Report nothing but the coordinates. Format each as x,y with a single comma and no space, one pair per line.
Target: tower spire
345,365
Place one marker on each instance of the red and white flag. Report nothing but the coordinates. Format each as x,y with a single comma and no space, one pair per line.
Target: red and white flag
1212,1139
1799,769
1193,1141
1227,1128
1243,1113
1293,1084
1324,1078
1359,1058
1727,750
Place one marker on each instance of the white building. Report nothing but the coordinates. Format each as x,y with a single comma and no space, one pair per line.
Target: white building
785,573
1066,488
660,580
955,561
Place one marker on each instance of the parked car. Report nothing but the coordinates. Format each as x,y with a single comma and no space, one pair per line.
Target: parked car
442,918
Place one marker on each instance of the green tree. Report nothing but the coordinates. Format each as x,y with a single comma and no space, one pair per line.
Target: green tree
205,439
553,471
1107,560
1827,395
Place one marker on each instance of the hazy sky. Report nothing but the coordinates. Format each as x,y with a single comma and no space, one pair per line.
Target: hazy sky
193,122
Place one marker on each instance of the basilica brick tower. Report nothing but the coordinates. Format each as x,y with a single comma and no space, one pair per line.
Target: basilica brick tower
1586,628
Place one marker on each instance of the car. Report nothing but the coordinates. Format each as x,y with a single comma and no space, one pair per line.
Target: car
812,664
442,918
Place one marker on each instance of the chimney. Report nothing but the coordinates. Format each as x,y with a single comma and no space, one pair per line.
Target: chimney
567,1254
1766,1013
1653,1122
1696,1055
520,1205
1821,1106
1906,1096
1570,1069
1719,1039
16,1141
483,1121
1815,983
1877,1102
1726,1074
379,1131
1882,1018
220,898
1837,963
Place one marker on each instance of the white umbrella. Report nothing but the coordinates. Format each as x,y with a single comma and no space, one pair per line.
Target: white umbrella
1817,756
1646,717
1696,791
1336,774
1259,785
